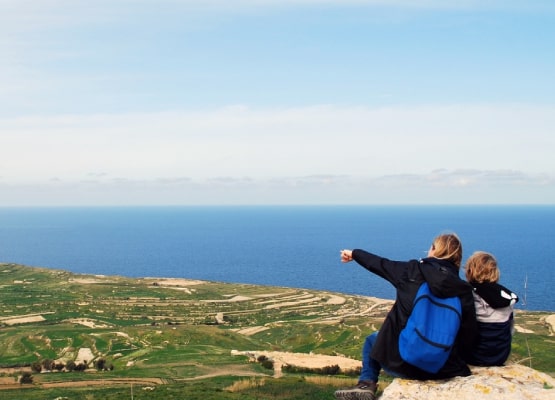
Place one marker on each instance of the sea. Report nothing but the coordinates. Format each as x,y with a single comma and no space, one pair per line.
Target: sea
286,246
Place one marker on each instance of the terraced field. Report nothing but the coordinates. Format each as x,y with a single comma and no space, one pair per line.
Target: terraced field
153,332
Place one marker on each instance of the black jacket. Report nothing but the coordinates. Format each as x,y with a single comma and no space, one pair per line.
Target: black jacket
494,305
407,276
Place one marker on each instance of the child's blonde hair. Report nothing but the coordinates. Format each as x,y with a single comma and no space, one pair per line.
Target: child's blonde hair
448,246
481,267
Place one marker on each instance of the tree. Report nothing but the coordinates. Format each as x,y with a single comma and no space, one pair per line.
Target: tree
100,364
80,367
36,367
47,364
70,366
26,378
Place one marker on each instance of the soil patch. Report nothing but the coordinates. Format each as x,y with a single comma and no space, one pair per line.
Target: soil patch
551,321
23,320
85,355
303,360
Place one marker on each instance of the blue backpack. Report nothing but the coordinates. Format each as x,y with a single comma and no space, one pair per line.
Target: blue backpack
431,330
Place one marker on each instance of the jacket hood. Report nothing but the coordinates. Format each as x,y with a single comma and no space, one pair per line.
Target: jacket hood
496,295
443,277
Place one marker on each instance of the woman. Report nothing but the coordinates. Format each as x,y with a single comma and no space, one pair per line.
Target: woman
441,271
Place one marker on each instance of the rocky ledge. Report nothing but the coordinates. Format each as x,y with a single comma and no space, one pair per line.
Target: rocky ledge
509,382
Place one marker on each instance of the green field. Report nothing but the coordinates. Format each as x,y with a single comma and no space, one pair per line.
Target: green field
155,338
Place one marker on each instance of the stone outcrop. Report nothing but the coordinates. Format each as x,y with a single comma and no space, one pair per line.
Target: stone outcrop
512,382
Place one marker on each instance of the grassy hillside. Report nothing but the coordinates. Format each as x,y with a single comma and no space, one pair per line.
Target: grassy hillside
159,338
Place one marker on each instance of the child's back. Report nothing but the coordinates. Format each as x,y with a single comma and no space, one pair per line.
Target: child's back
494,305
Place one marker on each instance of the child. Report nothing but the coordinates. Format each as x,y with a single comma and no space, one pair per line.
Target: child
494,311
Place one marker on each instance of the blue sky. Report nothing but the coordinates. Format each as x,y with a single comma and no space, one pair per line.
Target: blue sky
135,102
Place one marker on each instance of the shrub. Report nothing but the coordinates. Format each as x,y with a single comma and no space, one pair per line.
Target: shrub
70,366
36,367
100,364
26,378
268,364
80,367
327,370
47,364
265,362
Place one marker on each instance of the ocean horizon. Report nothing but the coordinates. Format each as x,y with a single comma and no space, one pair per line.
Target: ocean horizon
288,246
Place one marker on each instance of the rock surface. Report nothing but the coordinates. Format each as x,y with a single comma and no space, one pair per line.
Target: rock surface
507,383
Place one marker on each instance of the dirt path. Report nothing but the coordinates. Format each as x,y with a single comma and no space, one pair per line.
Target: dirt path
11,384
105,382
230,370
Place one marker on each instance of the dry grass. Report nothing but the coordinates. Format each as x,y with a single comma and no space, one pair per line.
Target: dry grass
331,381
244,384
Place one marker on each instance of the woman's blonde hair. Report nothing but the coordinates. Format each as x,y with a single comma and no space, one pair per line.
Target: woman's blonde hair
481,267
448,246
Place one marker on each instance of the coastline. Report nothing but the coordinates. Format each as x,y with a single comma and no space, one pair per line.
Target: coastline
157,318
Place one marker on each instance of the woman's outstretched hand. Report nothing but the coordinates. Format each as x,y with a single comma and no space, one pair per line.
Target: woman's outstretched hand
346,255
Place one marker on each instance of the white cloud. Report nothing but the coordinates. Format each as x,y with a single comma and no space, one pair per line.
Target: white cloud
239,142
437,187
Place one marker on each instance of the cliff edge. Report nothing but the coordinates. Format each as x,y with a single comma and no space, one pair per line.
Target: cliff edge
486,383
